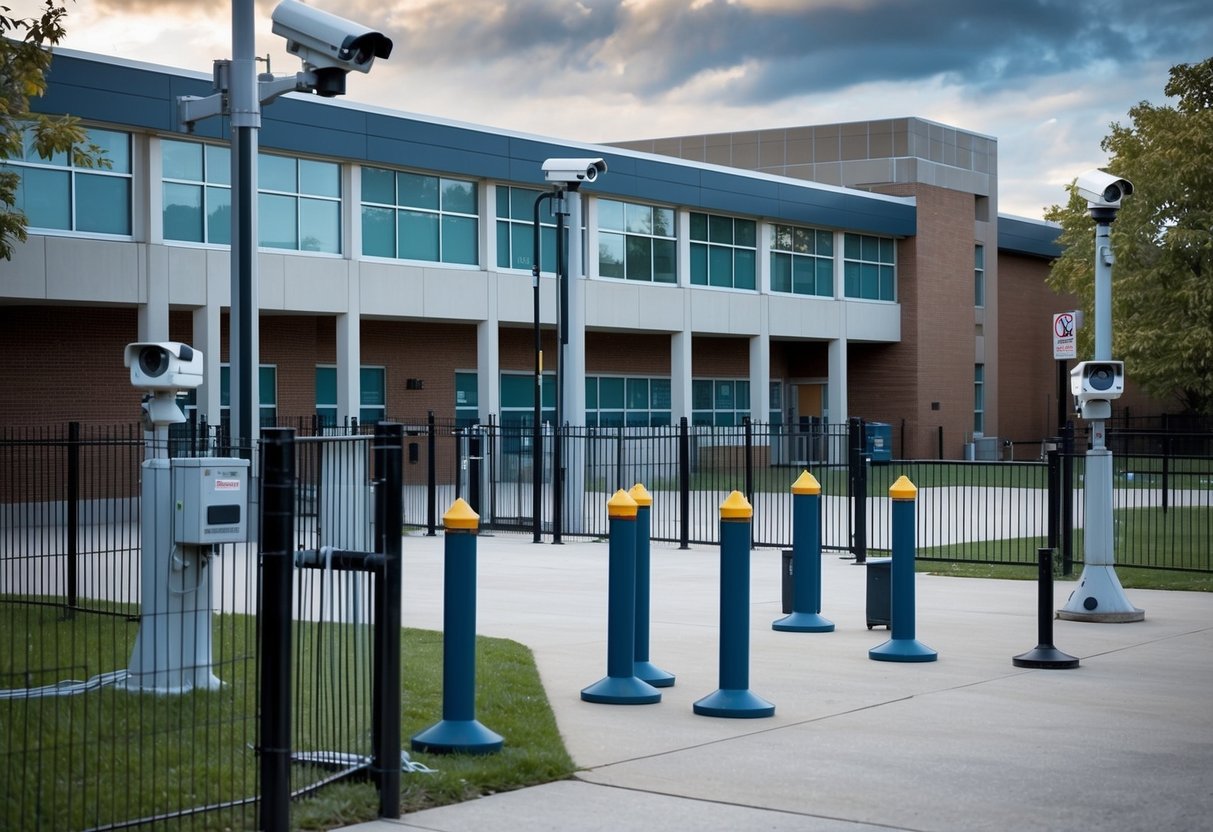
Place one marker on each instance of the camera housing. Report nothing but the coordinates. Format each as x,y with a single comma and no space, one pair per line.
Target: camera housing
573,171
1095,385
326,42
1102,189
163,366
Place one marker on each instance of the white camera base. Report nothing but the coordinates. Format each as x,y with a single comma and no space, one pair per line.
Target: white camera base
1100,598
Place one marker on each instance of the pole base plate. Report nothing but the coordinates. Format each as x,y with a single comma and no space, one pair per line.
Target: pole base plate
621,690
734,704
654,675
1045,657
803,622
902,650
450,736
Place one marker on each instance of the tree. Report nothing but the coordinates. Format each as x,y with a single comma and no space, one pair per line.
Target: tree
25,57
1162,241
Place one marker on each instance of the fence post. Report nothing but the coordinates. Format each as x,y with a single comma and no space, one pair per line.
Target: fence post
385,743
684,483
1067,499
1054,491
73,511
431,477
1166,473
277,560
859,492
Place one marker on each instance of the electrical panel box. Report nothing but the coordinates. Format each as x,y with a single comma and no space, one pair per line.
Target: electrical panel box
210,500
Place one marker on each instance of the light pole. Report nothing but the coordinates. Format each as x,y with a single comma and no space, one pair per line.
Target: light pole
537,427
1095,384
330,47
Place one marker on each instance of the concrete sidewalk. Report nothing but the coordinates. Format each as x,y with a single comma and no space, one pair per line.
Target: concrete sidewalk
969,742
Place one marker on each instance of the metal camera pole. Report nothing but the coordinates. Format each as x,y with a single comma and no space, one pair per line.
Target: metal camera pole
1099,596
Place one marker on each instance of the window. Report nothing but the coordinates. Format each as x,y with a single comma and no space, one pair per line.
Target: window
515,230
518,399
197,192
979,399
721,402
467,400
636,242
267,378
614,401
723,251
802,261
298,204
372,387
56,193
412,216
868,267
979,275
775,405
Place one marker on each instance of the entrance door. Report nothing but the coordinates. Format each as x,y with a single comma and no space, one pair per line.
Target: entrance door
808,426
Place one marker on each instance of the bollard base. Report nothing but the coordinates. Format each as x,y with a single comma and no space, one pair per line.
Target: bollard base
734,704
803,622
464,736
1045,656
621,690
902,650
654,675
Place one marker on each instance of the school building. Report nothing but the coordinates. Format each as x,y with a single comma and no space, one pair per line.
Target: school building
812,273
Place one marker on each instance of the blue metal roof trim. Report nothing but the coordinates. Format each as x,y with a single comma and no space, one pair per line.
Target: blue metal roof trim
1031,237
116,92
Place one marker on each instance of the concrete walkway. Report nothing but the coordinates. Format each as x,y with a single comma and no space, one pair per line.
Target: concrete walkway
966,743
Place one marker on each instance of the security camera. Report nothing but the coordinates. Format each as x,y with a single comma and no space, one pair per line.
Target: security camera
1103,189
163,366
1095,384
573,171
327,44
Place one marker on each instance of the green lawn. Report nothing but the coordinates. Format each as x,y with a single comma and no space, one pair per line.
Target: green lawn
110,755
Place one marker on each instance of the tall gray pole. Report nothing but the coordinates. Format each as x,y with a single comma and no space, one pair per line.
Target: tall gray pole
1099,596
572,361
244,350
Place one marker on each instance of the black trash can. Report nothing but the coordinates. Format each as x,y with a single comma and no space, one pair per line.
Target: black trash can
880,591
787,581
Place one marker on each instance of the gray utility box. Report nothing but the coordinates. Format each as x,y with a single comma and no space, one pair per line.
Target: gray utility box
880,592
210,500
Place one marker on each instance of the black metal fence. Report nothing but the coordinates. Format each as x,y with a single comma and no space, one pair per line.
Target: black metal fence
83,752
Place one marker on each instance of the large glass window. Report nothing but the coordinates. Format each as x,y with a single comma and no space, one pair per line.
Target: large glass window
372,385
515,230
636,242
621,401
719,401
267,386
197,192
723,251
979,275
467,400
299,204
56,193
802,261
413,216
869,267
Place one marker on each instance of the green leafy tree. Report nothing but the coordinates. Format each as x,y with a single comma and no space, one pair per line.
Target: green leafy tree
1162,241
25,57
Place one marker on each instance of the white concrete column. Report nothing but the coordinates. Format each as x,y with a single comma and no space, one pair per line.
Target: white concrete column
836,395
680,375
488,365
760,376
349,365
153,312
206,323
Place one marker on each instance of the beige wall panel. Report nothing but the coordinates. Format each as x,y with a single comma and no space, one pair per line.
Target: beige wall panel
187,278
316,284
25,275
455,294
92,270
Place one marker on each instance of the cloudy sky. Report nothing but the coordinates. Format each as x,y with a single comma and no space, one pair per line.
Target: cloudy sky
1046,77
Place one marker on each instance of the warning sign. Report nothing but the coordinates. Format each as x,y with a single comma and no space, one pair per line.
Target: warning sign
1065,324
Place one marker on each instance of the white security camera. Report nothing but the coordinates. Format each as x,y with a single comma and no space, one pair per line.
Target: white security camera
1095,384
573,171
163,366
1103,189
328,44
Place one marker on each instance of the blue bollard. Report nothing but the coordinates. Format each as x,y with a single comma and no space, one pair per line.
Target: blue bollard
459,730
806,561
621,686
903,646
642,667
733,699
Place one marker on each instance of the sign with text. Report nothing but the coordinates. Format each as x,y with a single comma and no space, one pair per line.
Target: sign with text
1065,325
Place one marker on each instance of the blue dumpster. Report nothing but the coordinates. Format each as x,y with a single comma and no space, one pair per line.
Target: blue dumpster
879,441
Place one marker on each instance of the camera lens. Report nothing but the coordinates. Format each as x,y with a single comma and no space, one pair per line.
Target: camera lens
1101,378
153,361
